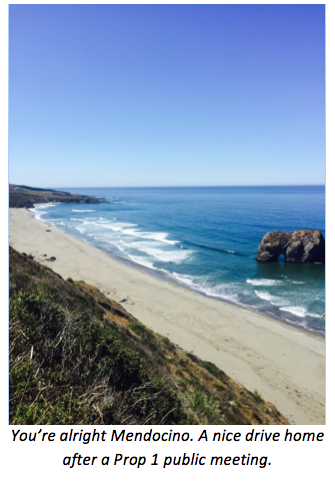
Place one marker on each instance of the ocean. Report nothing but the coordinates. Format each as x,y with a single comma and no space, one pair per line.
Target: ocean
206,238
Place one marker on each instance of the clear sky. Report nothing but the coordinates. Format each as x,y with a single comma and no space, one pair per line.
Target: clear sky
166,95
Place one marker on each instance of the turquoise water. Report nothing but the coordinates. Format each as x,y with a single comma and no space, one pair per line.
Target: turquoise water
206,238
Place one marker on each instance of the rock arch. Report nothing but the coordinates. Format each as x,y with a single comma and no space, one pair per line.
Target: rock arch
298,246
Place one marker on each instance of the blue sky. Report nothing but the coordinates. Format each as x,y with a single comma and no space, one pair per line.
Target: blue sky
166,95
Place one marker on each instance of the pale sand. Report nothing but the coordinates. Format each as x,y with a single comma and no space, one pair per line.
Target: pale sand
284,364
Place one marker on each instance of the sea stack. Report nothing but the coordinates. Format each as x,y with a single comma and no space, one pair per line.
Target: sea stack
299,246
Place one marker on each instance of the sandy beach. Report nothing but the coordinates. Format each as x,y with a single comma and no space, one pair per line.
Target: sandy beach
284,364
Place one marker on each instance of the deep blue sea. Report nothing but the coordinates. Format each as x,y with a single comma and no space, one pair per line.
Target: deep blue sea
206,238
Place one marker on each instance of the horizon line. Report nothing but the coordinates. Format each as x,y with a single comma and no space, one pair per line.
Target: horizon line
182,186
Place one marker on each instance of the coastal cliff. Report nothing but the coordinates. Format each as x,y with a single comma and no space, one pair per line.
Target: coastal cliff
77,357
21,196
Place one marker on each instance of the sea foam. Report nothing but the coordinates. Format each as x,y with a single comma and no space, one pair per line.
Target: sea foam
82,211
274,300
264,282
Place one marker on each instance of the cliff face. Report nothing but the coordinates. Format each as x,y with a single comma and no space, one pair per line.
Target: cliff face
298,246
21,196
77,357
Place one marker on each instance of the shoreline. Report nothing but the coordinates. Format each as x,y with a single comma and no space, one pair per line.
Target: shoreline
284,363
165,275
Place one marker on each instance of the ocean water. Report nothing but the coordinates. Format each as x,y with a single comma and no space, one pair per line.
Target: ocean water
206,238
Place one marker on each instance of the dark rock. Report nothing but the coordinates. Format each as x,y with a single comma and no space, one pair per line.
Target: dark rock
105,306
298,246
28,204
52,259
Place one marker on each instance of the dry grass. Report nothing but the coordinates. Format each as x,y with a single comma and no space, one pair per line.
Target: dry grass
76,357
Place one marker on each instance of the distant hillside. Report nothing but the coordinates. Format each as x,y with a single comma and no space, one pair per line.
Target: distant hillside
76,357
21,196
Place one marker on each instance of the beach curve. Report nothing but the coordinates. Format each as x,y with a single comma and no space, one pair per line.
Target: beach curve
284,364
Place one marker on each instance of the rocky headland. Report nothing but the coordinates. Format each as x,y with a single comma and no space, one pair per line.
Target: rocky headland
298,246
21,196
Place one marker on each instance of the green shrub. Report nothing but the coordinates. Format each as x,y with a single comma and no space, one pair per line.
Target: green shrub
257,396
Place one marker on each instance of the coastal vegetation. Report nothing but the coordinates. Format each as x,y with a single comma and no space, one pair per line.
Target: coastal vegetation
77,357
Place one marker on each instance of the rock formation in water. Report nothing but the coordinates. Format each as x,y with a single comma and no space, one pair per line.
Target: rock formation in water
298,246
